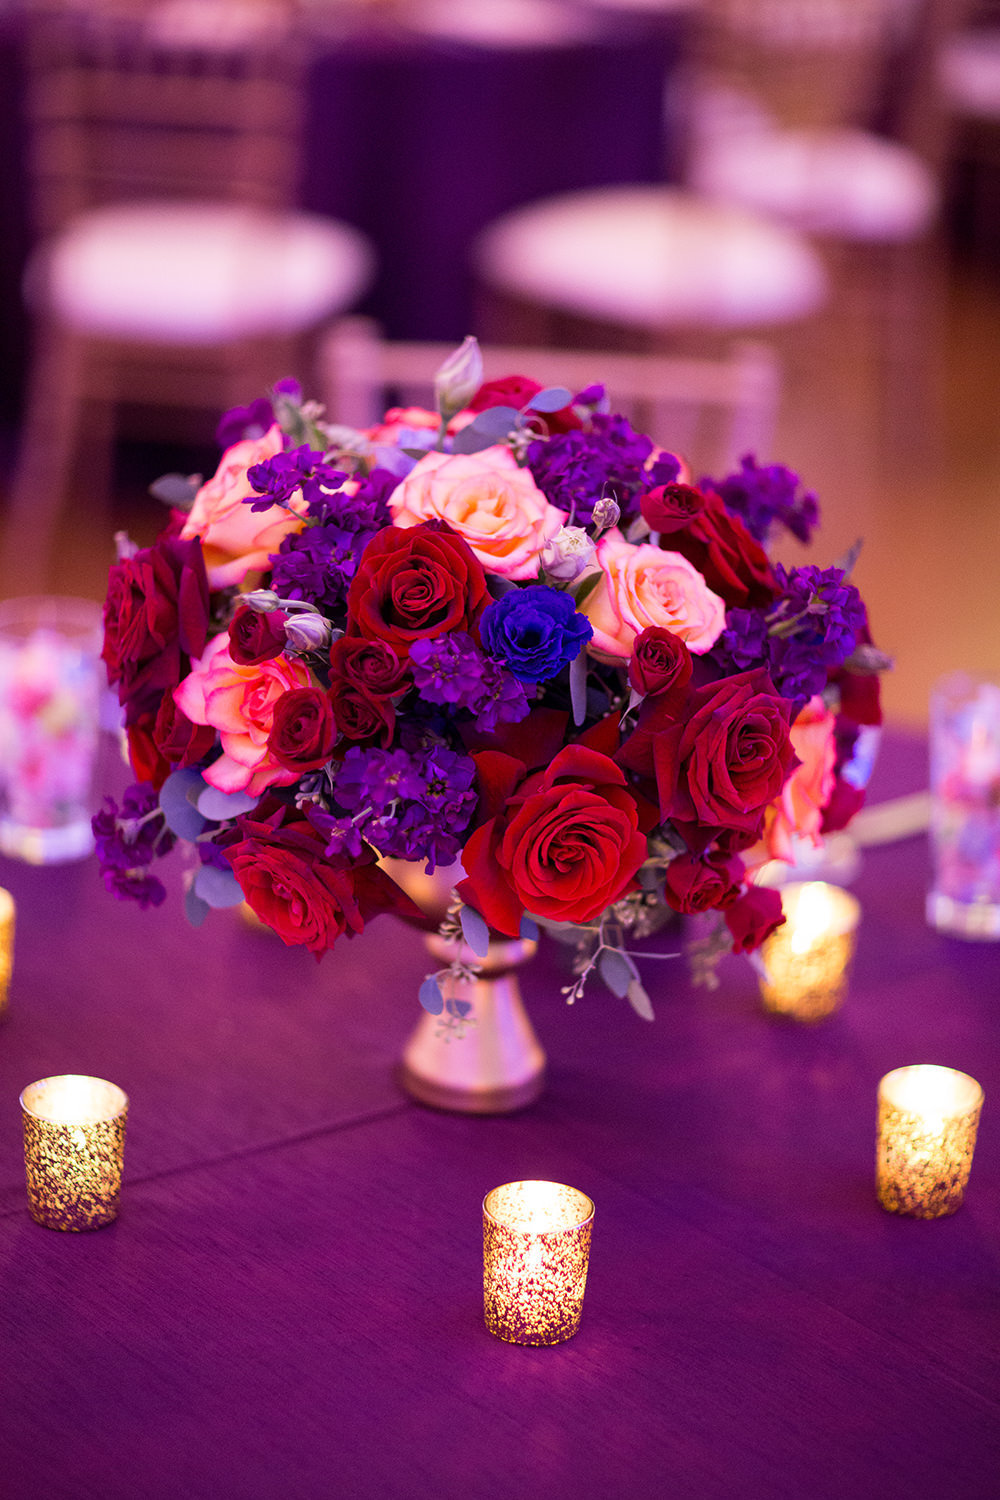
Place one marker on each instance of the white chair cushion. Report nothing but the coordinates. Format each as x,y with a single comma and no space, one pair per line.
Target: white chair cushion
970,72
200,273
652,256
845,183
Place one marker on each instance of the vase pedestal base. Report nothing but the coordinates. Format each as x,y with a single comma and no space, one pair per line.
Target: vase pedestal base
502,1100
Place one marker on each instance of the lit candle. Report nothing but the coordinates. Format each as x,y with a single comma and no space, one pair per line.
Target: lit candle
6,945
74,1142
807,958
536,1248
927,1122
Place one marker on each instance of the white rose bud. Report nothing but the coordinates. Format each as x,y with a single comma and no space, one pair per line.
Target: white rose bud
261,600
568,554
307,632
459,378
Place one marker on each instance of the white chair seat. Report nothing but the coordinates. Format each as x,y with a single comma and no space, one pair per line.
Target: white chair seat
200,273
970,73
845,183
651,256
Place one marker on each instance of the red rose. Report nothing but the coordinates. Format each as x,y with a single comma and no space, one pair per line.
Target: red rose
371,666
145,759
753,917
705,884
517,391
728,756
256,636
566,845
671,506
359,716
413,583
303,732
178,740
289,883
155,616
731,562
661,662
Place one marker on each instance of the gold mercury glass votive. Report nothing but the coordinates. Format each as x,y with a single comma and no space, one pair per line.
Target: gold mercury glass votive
536,1248
74,1142
807,959
927,1122
6,945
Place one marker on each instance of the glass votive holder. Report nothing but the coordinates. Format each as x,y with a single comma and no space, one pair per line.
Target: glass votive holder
6,945
964,898
927,1122
74,1142
808,958
536,1249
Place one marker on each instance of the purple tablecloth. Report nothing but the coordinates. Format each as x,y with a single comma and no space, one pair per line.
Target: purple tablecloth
290,1301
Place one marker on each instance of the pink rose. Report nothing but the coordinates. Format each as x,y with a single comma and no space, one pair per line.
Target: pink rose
239,702
488,501
799,808
399,419
235,539
643,586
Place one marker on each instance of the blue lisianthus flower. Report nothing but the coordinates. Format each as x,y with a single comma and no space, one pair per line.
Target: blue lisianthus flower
535,631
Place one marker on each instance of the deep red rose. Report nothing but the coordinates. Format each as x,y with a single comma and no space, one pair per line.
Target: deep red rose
753,917
706,884
732,563
669,507
660,663
845,802
566,845
359,716
155,618
728,756
178,740
517,391
303,732
415,582
145,759
256,636
371,666
289,883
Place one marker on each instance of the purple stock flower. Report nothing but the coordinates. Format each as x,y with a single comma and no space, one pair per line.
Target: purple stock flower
576,469
448,668
318,563
410,805
765,496
820,609
127,840
245,422
503,699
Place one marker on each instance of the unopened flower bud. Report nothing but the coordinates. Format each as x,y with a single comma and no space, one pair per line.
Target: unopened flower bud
125,548
307,632
606,513
459,378
261,600
568,554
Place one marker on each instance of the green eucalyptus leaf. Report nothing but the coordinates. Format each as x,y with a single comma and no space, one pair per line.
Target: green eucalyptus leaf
617,970
475,931
553,398
195,909
177,796
218,887
430,995
640,1001
578,686
177,490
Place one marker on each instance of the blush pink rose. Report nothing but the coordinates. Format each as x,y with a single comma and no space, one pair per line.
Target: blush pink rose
798,811
239,701
488,501
414,418
235,539
641,587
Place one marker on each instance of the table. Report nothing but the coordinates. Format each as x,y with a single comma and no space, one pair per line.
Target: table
421,139
290,1301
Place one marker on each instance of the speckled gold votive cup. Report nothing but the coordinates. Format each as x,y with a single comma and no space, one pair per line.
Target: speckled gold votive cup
74,1142
808,958
536,1249
6,945
927,1122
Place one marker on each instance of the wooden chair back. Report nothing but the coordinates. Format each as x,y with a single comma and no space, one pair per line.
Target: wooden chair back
711,411
133,101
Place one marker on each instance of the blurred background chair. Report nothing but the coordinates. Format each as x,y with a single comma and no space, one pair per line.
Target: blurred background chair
710,410
172,273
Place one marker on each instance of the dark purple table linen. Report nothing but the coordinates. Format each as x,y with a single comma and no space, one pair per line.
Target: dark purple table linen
290,1302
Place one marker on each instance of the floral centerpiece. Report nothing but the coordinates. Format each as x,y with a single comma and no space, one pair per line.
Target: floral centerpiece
510,633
